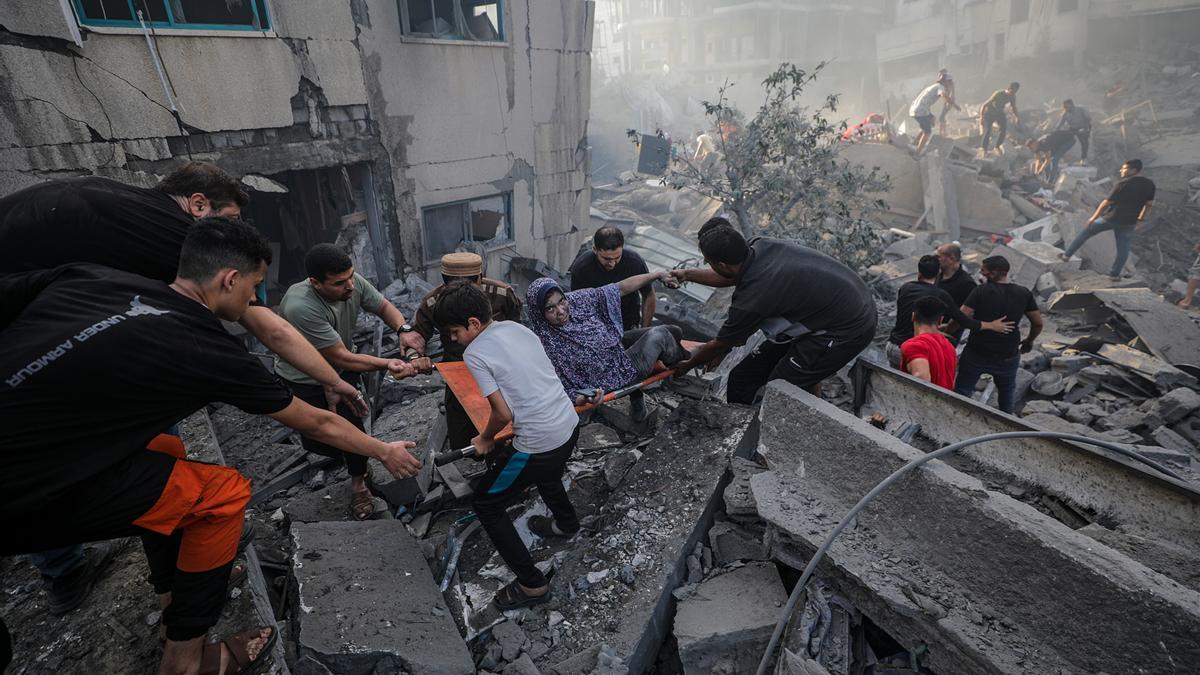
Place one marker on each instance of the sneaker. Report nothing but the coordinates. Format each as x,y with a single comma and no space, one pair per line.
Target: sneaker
67,593
546,528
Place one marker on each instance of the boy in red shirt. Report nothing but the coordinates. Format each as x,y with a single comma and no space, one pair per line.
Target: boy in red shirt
928,354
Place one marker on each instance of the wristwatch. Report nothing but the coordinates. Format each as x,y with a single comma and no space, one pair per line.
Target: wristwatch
406,328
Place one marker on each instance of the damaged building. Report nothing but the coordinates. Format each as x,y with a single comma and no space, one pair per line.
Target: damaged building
401,129
405,129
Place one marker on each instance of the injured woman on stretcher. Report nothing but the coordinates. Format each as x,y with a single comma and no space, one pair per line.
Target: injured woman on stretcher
582,334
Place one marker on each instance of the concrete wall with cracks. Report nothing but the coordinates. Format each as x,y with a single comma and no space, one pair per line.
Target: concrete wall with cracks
332,84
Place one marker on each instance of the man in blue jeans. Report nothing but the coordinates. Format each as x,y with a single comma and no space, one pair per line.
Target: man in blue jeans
997,354
1123,212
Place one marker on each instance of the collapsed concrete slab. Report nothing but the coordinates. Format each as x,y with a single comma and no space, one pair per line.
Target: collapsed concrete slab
941,197
614,587
905,191
1168,331
723,624
981,207
367,603
1116,489
984,583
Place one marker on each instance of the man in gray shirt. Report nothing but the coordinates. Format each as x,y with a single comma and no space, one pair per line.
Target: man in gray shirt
1076,120
324,308
825,313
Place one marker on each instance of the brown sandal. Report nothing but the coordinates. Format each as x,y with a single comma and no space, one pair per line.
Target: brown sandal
240,662
362,505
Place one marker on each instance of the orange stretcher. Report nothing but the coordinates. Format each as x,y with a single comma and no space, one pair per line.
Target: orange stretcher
464,388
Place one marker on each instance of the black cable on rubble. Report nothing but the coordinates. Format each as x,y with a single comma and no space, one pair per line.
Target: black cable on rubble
765,664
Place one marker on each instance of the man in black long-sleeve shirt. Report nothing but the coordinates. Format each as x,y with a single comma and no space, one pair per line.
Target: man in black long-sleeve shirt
906,301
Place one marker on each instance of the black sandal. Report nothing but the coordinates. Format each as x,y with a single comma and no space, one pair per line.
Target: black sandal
546,528
512,596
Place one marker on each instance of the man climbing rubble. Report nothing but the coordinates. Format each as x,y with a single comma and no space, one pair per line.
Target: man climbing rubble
1124,211
1076,120
921,109
139,230
1048,150
514,374
506,306
997,354
325,308
128,356
819,314
991,113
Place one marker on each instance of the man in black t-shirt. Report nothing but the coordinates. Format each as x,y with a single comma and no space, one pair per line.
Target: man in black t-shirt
140,230
997,354
819,314
913,291
99,220
609,263
1048,150
1123,212
129,356
954,279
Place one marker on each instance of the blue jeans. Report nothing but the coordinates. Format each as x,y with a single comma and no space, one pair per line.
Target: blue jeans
1122,233
1003,369
58,562
1055,157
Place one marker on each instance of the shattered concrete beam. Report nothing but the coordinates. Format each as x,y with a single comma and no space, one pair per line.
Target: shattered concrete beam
941,199
986,583
1116,488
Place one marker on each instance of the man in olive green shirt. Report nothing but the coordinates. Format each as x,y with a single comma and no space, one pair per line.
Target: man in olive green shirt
992,113
325,308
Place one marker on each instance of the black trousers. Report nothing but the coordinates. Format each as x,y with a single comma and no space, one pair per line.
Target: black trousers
507,477
459,427
986,120
314,395
803,362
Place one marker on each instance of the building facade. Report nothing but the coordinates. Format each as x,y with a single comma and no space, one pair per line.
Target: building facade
400,128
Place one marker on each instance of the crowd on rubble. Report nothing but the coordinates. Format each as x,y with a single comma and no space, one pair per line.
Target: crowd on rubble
111,306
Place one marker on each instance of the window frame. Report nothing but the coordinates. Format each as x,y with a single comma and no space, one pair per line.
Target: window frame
508,239
259,8
407,34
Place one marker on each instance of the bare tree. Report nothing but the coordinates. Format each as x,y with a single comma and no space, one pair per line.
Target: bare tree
778,172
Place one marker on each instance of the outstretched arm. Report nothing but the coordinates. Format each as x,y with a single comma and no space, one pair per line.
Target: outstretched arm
637,281
703,277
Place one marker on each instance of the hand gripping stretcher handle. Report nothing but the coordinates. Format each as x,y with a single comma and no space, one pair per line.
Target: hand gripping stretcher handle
469,451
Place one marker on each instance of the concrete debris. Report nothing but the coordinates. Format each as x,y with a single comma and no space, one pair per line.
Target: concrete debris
1177,404
1167,331
597,437
511,639
739,498
348,577
731,543
1049,383
722,625
522,666
809,485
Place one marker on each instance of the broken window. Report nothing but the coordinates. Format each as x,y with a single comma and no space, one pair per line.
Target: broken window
191,14
485,220
470,20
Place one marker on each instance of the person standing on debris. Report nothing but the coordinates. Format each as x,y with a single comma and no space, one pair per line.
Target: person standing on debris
913,292
954,279
608,263
1124,212
992,113
928,355
705,146
157,353
324,308
139,230
1048,151
1193,281
506,306
1076,120
515,375
997,354
921,109
582,334
818,312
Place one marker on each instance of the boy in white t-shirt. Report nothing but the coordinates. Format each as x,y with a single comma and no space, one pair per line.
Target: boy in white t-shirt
513,372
